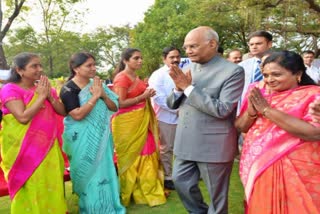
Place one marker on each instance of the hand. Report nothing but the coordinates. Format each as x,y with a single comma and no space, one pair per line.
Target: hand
258,101
181,80
42,87
96,89
149,92
49,97
314,110
251,110
188,75
104,95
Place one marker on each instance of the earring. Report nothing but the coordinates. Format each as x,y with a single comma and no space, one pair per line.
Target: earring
299,79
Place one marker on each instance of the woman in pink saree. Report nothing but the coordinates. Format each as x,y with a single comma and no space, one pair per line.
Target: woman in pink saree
31,157
280,160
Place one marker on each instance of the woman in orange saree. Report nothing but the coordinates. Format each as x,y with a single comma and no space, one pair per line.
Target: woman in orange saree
29,145
135,135
280,160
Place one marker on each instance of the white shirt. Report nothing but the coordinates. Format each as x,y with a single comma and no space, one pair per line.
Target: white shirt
4,74
163,84
249,66
314,73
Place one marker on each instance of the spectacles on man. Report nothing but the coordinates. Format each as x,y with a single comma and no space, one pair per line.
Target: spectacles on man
194,47
191,47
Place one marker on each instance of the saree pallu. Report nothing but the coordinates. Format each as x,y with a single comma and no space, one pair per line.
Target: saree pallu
28,151
279,171
135,134
89,146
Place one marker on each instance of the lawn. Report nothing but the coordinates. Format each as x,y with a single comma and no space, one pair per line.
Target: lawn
173,204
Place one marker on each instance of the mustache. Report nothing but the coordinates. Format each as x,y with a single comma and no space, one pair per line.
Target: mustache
175,62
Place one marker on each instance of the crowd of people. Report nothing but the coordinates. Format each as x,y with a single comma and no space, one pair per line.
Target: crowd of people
138,140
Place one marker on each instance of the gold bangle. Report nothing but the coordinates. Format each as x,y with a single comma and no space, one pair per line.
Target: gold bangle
264,111
90,103
252,116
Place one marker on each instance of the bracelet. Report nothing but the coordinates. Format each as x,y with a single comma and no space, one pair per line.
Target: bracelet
252,116
264,111
90,103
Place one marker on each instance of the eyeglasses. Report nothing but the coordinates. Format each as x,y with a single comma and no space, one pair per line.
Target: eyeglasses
194,47
191,47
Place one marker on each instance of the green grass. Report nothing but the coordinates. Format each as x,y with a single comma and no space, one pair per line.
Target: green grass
173,204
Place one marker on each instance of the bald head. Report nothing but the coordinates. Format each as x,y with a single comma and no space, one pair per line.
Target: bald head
201,44
206,32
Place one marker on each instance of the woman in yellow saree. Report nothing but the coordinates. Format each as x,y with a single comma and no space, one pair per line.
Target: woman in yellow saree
29,145
280,161
135,135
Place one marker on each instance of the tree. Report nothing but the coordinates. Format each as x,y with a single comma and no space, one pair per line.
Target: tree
14,8
111,42
106,44
27,39
293,24
21,39
56,15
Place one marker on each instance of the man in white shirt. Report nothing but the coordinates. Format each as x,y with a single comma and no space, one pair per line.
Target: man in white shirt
259,43
312,71
167,118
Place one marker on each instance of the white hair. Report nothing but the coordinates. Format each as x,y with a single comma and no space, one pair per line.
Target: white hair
211,34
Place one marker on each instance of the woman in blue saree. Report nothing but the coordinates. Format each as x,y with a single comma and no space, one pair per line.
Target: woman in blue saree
87,139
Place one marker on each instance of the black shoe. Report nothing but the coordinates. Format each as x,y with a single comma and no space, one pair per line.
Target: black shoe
168,184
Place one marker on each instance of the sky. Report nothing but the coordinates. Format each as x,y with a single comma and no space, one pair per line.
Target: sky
104,13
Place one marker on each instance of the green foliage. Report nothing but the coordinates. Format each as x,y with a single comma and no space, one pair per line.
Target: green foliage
167,22
293,24
164,25
105,44
110,42
56,53
21,40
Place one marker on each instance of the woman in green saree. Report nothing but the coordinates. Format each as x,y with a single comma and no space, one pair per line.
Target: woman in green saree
87,139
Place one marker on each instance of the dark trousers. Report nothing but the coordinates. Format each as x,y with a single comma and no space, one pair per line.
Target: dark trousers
216,176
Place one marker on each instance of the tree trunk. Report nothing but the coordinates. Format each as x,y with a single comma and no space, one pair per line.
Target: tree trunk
3,61
50,67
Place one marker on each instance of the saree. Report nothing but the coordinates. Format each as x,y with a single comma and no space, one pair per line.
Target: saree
89,147
280,172
136,138
28,151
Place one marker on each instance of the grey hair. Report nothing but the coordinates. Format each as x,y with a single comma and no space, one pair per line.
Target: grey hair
212,34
